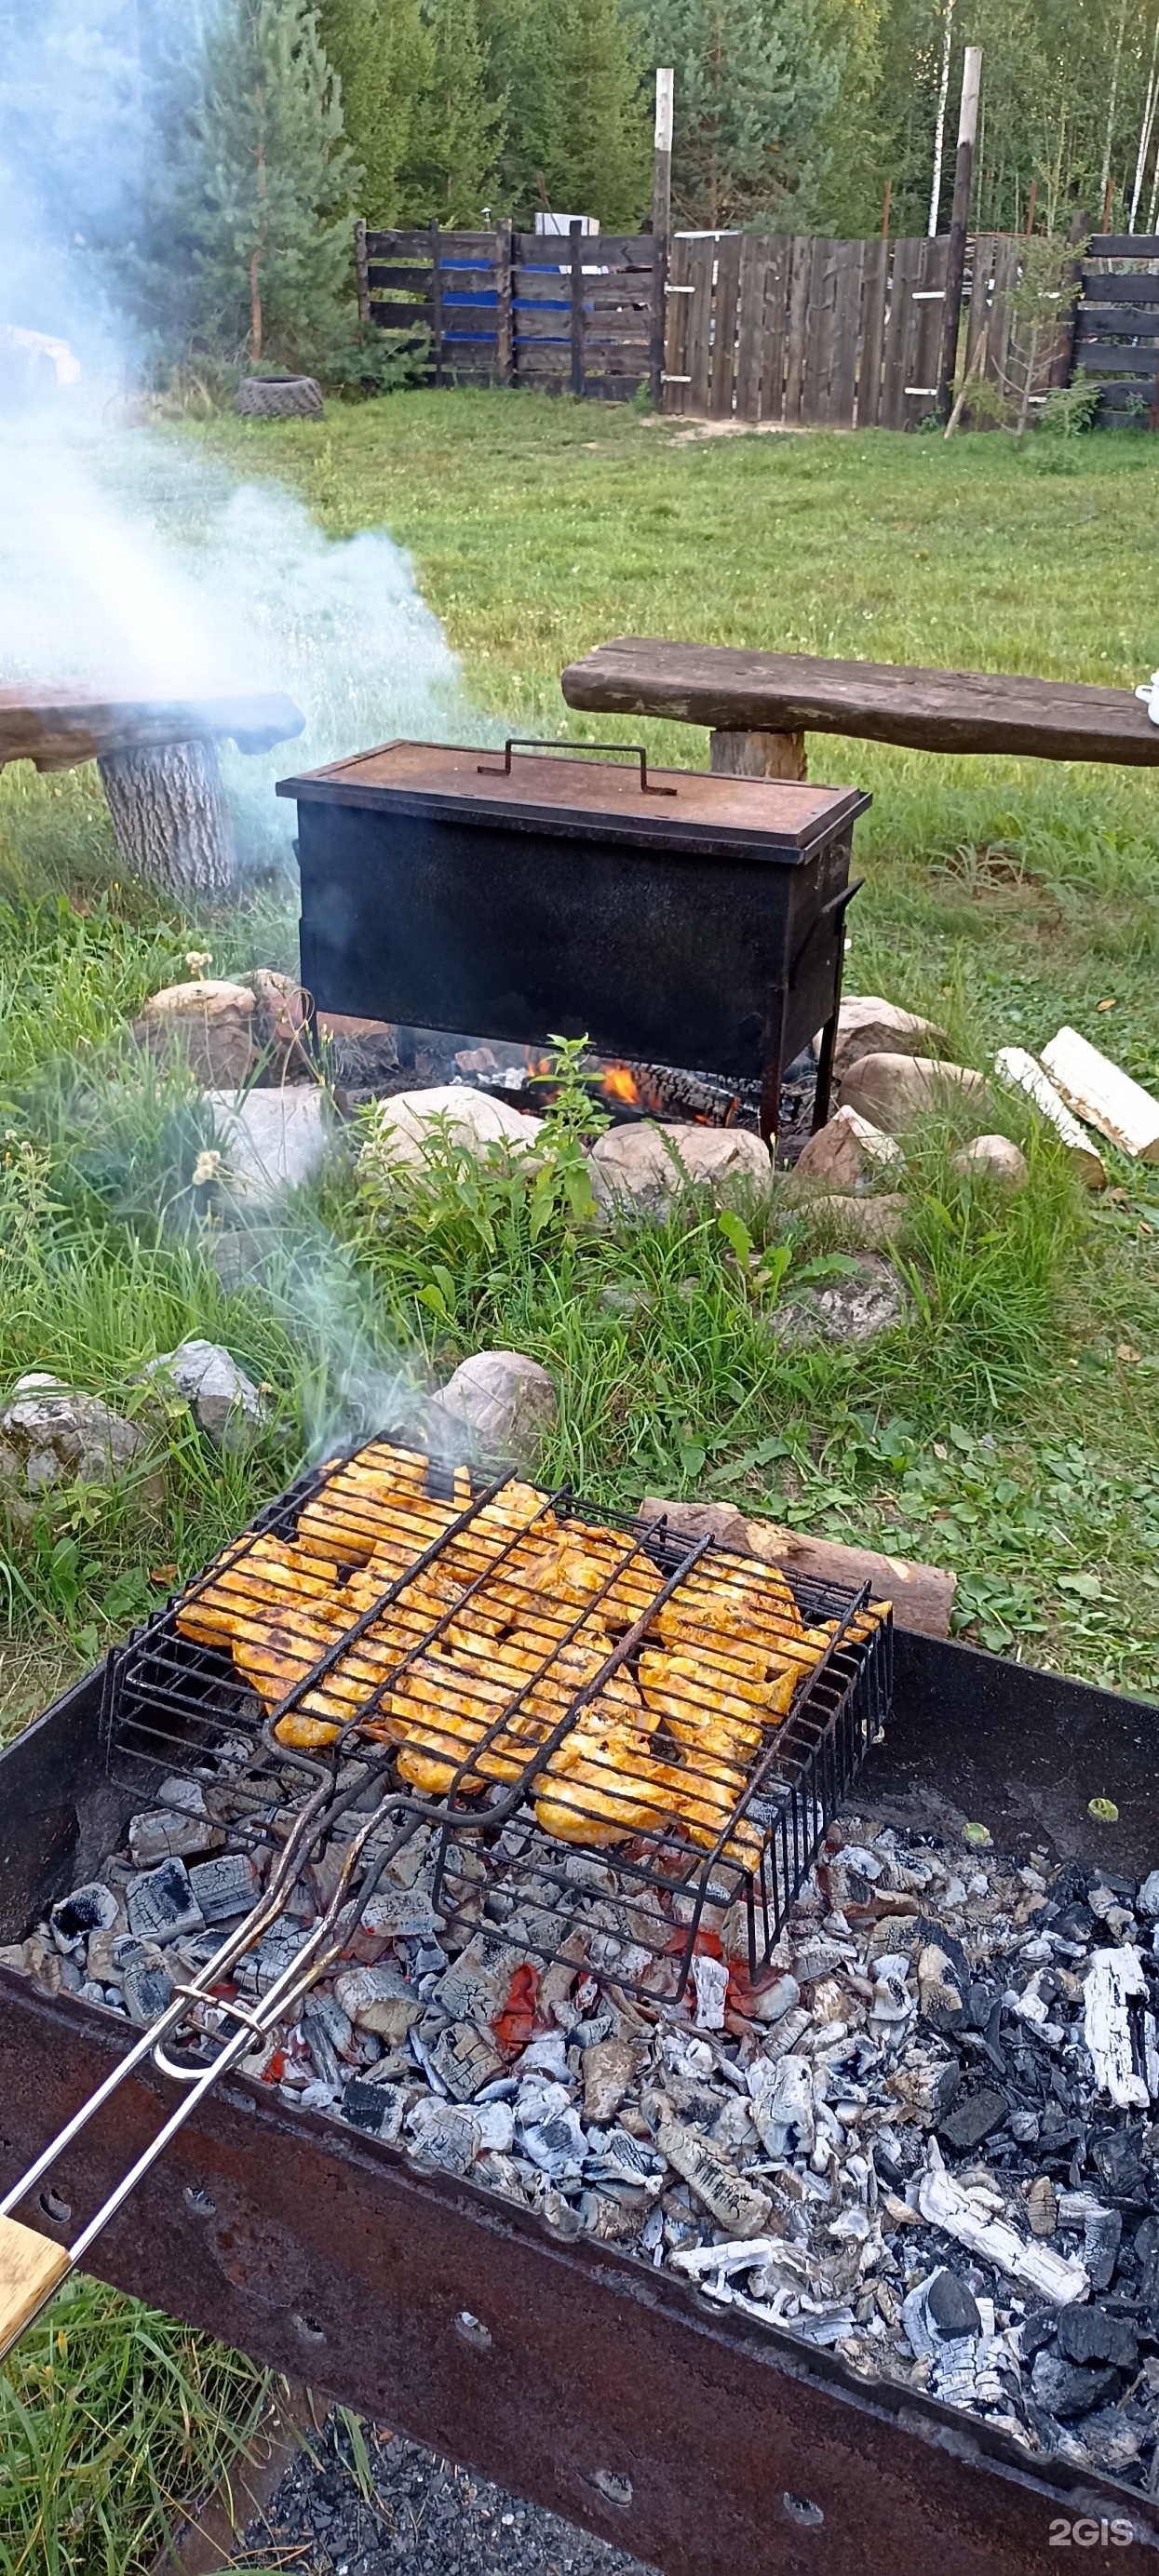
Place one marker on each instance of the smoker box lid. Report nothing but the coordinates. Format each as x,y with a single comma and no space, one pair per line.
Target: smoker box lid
587,800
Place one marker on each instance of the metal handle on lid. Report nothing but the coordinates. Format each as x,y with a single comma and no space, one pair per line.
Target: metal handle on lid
541,742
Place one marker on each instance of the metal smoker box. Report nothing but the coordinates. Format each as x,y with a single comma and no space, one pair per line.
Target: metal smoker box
572,2372
674,917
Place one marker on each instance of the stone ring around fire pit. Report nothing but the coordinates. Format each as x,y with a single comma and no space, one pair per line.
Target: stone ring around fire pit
158,763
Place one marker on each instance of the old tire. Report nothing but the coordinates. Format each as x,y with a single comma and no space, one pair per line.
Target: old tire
279,398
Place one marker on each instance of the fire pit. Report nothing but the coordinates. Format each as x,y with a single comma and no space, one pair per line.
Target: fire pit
742,2169
673,918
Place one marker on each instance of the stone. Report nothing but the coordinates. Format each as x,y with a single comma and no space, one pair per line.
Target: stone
162,1906
278,1023
498,1404
209,1025
148,1992
895,1091
402,1128
224,1402
951,2306
645,1167
872,1223
996,1158
973,2117
160,1835
847,1154
227,1886
609,2067
854,1307
1066,2390
49,1436
282,397
379,1999
1092,2334
868,1025
270,1141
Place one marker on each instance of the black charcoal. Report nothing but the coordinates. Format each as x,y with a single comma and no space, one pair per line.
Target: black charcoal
1089,2334
973,2118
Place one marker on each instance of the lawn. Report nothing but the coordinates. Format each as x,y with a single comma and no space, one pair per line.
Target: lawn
1010,1429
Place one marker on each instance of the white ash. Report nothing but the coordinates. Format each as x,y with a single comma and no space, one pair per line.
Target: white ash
920,2136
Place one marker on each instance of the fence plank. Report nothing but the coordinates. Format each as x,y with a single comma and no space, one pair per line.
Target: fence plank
724,321
700,327
677,317
772,368
800,270
815,377
754,258
874,281
846,334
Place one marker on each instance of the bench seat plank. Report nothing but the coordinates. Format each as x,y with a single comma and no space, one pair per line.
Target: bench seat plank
732,690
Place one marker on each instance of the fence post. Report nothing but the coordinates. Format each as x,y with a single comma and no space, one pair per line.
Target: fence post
362,270
661,229
575,229
959,221
437,302
503,342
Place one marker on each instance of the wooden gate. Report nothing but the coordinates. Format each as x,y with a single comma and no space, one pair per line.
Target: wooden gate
561,313
803,332
1116,338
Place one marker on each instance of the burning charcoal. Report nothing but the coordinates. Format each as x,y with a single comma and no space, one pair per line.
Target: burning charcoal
147,1991
321,2046
1147,1900
1101,2235
943,1983
378,1999
1066,2390
943,2203
771,2003
496,2125
546,2056
733,2203
465,2057
476,1985
973,2117
91,1908
162,1906
1094,2335
618,2158
1113,1977
892,2007
782,2105
377,2108
161,1835
1025,2127
1041,2207
402,1914
609,2067
443,2135
555,2142
951,2307
229,1885
710,1977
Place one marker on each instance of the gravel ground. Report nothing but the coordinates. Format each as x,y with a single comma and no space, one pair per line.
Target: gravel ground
369,2505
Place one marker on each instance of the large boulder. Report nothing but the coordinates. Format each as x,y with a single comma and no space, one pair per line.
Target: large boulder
848,1154
895,1091
270,1140
867,1025
499,1404
209,1025
852,1307
403,1127
51,1436
224,1402
647,1166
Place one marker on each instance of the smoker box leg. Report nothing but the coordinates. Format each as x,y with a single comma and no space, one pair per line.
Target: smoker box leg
823,1092
735,754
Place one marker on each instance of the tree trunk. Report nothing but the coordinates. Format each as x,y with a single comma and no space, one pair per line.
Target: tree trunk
255,309
940,127
171,818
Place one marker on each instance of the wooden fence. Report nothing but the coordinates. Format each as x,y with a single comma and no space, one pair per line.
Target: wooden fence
563,313
797,330
1116,335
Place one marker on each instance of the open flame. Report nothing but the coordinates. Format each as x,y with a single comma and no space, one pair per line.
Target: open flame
621,1084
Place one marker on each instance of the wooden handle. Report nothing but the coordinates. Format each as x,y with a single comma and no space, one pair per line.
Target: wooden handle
30,2267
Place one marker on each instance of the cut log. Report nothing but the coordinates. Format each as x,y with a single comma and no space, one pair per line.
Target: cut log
171,818
922,1595
1104,1095
1014,1064
758,755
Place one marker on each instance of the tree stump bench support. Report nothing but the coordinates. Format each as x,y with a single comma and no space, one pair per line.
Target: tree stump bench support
758,707
158,763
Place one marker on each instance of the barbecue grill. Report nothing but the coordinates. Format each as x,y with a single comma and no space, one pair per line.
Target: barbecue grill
667,915
569,2369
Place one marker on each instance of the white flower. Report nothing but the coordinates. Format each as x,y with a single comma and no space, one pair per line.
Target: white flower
207,1167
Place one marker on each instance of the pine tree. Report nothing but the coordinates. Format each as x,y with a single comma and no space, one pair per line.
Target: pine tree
451,169
755,80
577,113
270,216
381,52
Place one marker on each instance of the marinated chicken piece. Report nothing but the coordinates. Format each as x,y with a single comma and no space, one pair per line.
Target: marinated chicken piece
600,1787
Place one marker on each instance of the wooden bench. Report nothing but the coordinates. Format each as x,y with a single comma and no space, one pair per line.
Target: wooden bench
759,706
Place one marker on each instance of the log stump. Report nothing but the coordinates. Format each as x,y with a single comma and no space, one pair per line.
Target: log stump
170,816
